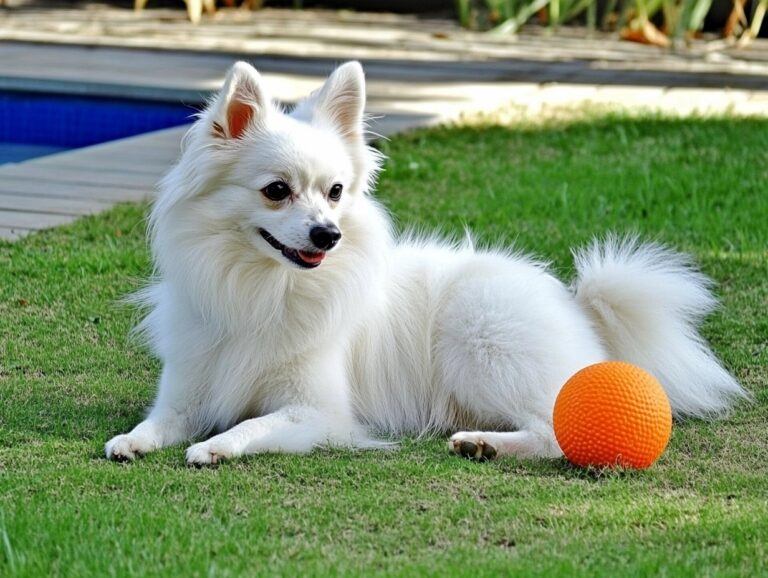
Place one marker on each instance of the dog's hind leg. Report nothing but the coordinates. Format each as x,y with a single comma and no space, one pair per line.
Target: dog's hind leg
506,341
488,445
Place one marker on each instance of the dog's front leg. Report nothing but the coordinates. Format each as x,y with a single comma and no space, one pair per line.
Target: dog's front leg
292,429
173,418
317,411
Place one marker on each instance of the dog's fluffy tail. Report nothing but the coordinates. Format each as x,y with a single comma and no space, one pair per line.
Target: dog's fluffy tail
647,302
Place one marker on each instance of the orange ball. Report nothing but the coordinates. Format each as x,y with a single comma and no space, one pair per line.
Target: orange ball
612,414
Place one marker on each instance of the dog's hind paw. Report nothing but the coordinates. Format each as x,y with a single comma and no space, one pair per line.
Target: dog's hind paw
471,446
207,453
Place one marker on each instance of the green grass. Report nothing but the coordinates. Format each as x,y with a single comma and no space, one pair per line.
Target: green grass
70,378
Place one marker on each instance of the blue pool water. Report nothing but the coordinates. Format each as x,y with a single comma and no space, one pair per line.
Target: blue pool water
37,124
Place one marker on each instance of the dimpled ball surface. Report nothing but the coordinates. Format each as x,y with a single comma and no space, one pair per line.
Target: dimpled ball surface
612,414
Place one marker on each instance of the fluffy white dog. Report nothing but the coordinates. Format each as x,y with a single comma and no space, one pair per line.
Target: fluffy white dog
287,316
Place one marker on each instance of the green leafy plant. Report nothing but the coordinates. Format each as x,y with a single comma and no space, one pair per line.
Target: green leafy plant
662,22
757,21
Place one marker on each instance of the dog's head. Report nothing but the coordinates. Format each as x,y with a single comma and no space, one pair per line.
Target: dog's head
282,182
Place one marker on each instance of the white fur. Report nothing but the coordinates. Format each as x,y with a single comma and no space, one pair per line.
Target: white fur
384,337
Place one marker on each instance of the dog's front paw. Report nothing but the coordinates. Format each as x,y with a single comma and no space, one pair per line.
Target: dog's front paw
209,453
471,445
126,448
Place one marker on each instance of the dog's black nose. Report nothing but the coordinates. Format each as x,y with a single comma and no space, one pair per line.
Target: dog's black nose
325,237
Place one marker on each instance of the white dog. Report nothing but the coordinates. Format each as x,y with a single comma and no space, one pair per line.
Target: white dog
287,316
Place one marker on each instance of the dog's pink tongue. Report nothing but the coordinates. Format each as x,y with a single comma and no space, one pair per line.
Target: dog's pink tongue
311,257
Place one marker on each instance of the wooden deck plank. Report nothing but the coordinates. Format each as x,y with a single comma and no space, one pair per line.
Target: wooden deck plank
25,220
11,234
124,170
138,156
76,175
105,162
133,158
46,189
52,205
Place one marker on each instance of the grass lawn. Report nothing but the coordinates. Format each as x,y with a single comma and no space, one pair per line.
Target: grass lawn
70,378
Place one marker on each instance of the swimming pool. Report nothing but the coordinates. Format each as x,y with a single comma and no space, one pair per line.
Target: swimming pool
37,124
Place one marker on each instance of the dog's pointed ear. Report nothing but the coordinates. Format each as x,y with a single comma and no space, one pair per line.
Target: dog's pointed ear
240,103
341,101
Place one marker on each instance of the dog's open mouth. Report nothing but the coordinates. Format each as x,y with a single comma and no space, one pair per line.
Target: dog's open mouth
305,259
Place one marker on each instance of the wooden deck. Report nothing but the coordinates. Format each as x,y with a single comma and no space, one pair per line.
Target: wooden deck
57,189
419,72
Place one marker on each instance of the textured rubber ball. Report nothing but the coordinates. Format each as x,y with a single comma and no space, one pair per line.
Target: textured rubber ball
612,414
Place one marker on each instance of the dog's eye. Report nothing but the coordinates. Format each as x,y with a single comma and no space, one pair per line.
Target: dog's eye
335,193
276,191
